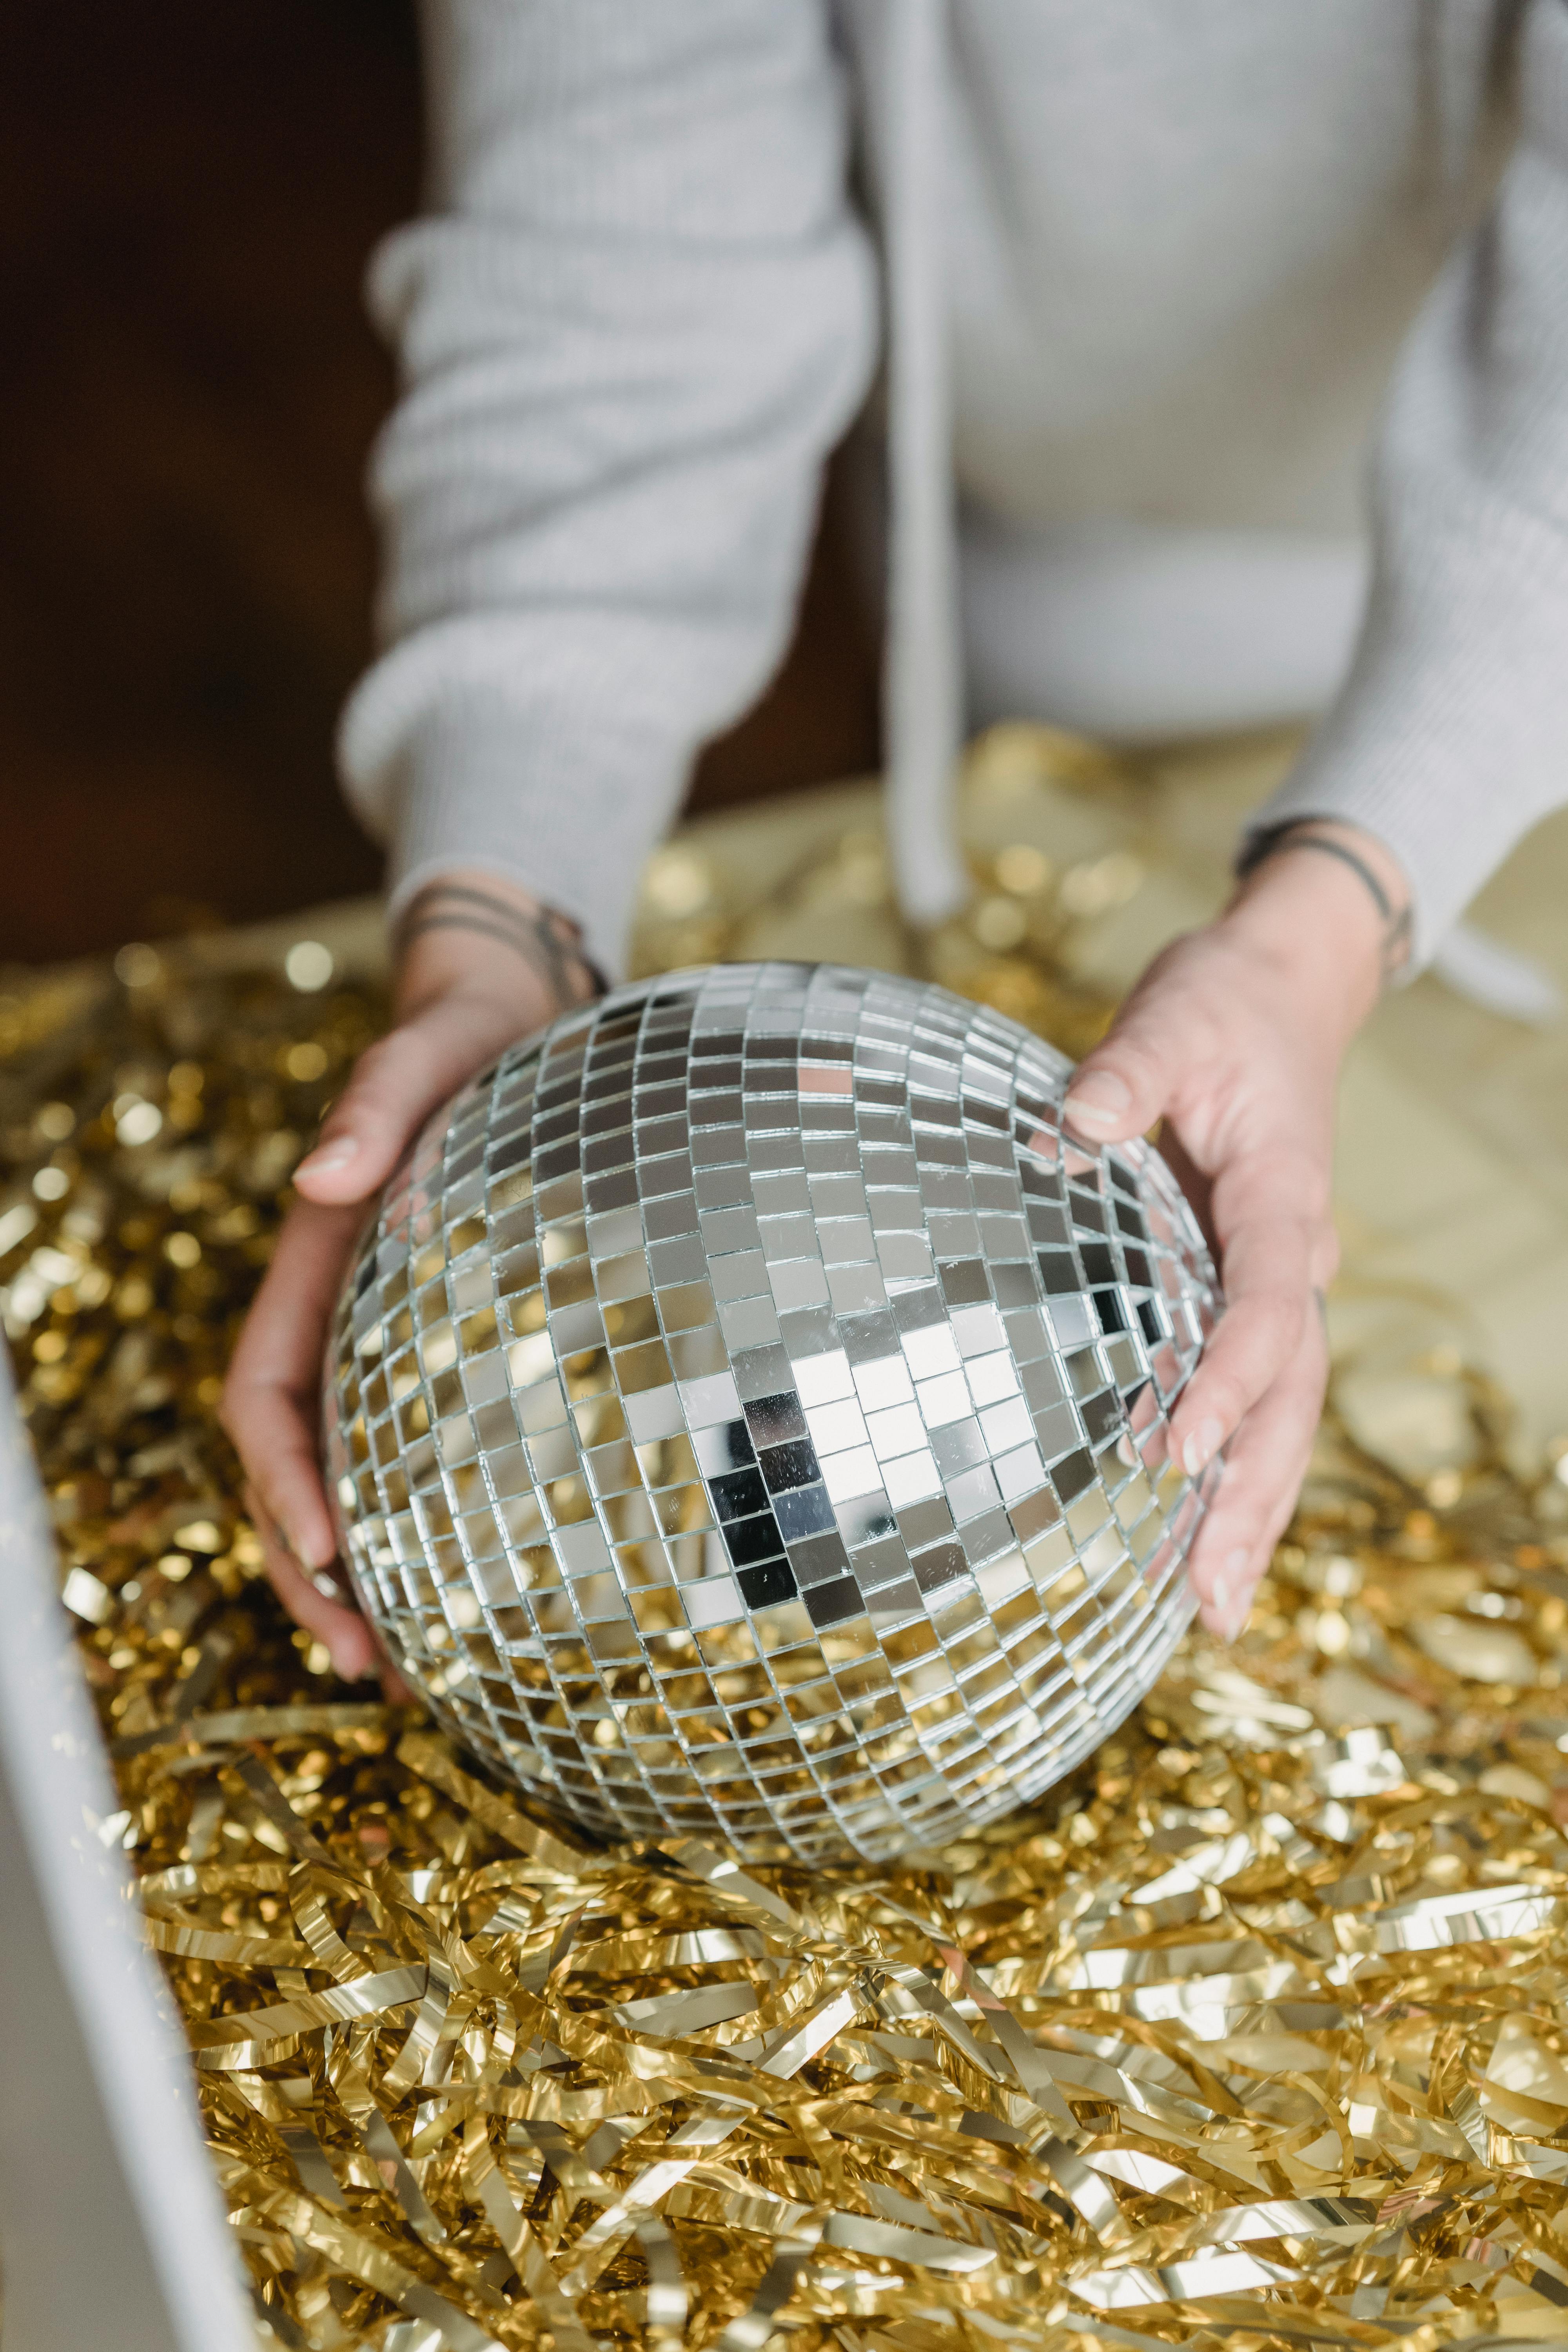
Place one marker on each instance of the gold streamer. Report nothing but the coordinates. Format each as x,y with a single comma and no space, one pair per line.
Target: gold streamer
1256,2033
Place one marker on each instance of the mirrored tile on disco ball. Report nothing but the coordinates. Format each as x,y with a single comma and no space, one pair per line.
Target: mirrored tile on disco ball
746,1414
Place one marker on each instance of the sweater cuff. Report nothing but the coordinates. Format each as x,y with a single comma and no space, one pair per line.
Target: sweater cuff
480,782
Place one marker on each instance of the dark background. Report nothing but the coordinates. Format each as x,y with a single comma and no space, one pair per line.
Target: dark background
188,389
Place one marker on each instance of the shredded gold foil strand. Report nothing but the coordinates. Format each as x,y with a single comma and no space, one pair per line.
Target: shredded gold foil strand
1256,2033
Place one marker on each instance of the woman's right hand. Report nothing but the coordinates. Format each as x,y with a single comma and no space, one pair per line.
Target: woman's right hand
1233,1038
482,964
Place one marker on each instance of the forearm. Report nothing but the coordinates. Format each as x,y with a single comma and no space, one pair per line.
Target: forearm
638,320
1446,741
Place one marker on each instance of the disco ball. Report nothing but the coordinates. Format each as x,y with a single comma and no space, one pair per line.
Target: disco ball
746,1414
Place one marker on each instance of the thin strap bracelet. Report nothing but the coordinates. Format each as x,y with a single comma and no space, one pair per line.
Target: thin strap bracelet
1294,835
545,940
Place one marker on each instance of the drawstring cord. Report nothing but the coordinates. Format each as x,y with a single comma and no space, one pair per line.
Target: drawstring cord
922,697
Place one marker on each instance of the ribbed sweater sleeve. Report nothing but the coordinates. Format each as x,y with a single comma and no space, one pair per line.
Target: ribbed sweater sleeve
1450,738
636,316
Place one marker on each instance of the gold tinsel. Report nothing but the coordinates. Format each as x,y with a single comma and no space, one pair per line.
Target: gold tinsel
1255,2033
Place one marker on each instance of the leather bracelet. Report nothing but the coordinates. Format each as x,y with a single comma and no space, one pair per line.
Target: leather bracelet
1294,835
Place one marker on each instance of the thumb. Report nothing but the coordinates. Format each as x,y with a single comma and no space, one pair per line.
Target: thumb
395,1085
1123,1086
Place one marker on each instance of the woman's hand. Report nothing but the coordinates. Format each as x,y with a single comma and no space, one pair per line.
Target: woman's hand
1234,1038
481,963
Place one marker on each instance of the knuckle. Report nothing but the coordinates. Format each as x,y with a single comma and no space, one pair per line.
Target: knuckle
1215,1398
1226,1403
1269,1322
1141,1039
376,1057
1240,1529
1171,974
1136,1059
377,1071
390,1079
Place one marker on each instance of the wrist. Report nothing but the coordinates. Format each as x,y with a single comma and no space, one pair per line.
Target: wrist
1325,907
472,931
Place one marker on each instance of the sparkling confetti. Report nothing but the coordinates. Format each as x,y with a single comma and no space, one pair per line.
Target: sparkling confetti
309,966
1255,2031
137,966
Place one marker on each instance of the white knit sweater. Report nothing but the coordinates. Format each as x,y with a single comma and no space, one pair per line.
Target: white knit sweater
1153,274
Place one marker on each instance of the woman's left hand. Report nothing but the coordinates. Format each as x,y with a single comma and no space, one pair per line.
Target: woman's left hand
483,963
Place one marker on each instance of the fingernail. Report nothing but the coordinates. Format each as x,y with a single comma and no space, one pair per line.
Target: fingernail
318,1567
1099,1098
1199,1450
328,1156
298,1552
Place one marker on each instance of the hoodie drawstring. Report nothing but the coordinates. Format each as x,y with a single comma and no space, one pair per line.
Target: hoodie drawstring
923,693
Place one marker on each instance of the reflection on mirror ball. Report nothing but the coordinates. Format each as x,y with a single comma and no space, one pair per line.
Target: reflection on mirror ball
746,1414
